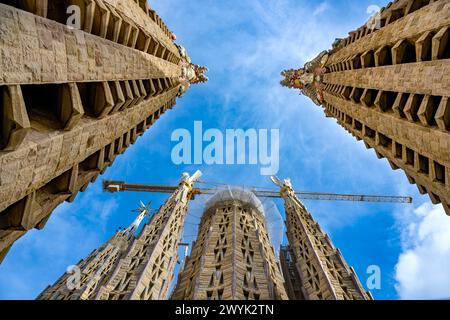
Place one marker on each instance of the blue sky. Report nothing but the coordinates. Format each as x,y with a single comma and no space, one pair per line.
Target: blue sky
245,45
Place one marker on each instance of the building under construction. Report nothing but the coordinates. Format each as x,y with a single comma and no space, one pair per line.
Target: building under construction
232,257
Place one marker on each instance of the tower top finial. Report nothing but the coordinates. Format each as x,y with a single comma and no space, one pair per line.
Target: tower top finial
143,210
293,78
190,73
185,177
281,183
308,79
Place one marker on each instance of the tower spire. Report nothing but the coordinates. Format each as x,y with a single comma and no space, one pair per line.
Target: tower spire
232,257
145,271
387,85
144,210
81,280
323,272
129,267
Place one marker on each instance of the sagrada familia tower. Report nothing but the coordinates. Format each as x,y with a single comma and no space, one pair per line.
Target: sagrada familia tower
387,84
231,259
73,99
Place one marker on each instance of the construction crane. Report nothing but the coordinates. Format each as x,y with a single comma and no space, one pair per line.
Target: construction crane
118,186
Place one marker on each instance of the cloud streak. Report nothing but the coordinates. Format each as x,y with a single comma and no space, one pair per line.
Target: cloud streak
323,7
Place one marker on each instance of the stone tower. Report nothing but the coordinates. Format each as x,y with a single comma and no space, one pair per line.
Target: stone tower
293,283
81,80
313,268
94,268
388,84
232,258
130,267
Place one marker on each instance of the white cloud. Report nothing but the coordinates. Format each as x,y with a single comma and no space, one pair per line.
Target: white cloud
321,8
422,268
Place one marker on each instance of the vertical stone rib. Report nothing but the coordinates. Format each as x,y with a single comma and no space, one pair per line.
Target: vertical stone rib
321,268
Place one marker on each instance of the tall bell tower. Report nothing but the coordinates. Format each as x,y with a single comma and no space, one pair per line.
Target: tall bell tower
322,270
388,84
73,97
130,267
232,258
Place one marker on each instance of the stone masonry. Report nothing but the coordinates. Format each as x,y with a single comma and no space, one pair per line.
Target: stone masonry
232,258
388,84
313,268
130,266
72,100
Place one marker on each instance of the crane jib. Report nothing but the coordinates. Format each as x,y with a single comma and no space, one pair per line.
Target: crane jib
117,186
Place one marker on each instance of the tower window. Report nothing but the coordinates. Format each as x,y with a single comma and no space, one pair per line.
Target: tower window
369,97
348,120
398,150
424,45
404,52
439,172
396,14
424,165
443,49
369,132
385,141
356,62
45,102
368,60
415,105
402,100
387,99
384,56
356,94
141,41
409,157
417,4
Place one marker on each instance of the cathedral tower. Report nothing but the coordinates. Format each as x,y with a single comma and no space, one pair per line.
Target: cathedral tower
130,267
94,268
232,258
81,80
313,268
388,84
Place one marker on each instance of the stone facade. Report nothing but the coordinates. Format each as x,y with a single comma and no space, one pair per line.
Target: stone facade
72,100
93,269
232,258
313,268
388,84
130,267
293,283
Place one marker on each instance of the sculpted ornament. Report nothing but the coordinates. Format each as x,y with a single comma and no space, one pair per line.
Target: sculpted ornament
308,77
190,73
